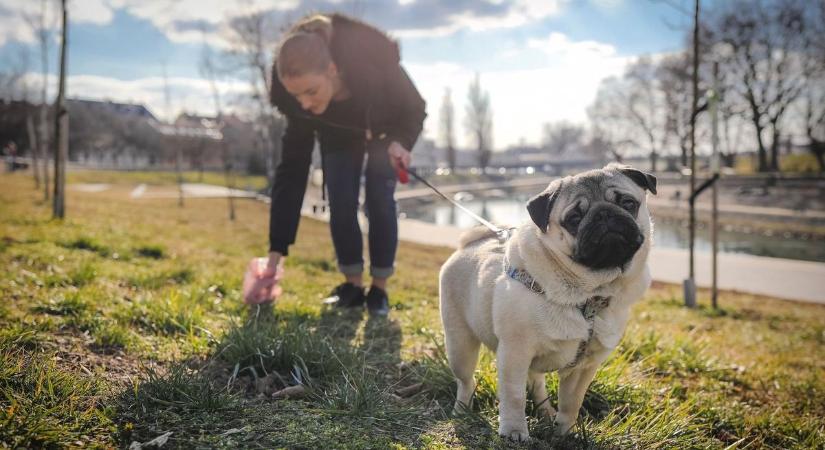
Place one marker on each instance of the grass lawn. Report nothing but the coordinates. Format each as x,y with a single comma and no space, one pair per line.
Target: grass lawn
124,323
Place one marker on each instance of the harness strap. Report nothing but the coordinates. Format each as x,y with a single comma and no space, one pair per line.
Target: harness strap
589,309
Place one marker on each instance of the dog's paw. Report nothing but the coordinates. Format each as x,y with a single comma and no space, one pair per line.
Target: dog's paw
563,425
514,433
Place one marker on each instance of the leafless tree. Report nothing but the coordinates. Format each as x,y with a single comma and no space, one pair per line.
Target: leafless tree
209,70
608,119
644,107
600,149
41,26
253,38
14,84
760,44
560,137
813,99
61,126
448,128
479,121
673,75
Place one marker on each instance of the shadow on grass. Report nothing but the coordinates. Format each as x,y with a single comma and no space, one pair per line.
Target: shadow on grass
348,371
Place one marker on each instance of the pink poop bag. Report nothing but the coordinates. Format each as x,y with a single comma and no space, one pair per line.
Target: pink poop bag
260,283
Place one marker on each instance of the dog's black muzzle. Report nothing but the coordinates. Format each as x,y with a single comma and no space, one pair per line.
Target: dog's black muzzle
608,237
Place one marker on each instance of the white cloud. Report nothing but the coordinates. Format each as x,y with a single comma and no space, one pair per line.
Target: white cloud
165,16
560,45
523,100
15,16
13,24
520,13
608,4
98,12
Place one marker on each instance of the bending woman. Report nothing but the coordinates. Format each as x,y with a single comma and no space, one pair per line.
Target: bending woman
339,81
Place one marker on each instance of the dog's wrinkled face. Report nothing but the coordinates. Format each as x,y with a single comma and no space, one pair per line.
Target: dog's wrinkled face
595,216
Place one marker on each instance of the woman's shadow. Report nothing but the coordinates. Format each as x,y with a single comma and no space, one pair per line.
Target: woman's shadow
380,338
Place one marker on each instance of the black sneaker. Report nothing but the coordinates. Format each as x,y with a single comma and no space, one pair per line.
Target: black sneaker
377,302
346,295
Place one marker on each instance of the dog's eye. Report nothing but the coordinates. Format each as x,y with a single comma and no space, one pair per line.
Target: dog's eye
628,204
574,219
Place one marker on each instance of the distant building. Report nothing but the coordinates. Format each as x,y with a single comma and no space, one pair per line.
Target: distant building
121,109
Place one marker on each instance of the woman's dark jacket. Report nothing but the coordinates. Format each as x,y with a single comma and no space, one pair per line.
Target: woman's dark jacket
389,108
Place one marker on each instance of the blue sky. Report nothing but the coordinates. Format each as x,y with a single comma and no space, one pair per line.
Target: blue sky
541,61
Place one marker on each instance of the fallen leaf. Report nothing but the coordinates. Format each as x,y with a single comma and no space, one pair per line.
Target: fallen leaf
409,390
290,392
157,442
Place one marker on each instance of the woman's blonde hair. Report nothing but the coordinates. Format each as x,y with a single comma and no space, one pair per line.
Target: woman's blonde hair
305,48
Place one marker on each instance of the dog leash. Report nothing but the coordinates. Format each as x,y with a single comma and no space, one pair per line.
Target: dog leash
502,233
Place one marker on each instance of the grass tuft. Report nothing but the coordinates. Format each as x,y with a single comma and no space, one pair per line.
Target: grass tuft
179,399
89,244
172,313
151,251
43,406
72,305
153,281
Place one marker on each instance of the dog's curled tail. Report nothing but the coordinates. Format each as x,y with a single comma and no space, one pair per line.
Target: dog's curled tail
474,235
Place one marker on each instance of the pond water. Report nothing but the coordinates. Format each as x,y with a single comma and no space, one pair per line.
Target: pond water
668,234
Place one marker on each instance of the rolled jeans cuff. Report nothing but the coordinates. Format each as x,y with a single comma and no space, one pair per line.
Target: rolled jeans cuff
381,272
351,269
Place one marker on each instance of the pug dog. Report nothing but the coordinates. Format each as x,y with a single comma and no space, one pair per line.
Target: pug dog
553,296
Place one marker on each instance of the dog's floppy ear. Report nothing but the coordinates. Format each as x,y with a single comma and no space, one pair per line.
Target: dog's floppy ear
643,179
539,208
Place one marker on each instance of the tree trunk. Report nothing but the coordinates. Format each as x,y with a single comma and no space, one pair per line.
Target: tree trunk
34,149
817,147
179,171
763,154
61,128
230,181
774,148
653,158
44,148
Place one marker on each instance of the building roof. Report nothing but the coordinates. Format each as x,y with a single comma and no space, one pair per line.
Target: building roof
124,109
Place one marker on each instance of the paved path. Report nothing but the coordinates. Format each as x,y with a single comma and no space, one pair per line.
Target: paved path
190,190
89,187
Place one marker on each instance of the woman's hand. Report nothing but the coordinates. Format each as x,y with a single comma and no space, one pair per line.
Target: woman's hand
262,279
400,157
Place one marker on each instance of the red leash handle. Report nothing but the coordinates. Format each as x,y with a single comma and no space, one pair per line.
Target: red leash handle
403,176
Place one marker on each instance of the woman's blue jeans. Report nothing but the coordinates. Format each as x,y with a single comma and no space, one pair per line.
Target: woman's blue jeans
342,172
